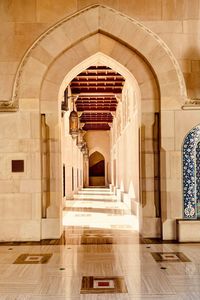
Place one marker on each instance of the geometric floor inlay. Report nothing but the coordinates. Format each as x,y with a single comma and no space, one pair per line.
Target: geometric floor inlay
170,257
33,258
93,238
103,285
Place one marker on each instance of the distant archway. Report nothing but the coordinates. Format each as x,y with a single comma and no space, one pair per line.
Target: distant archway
70,31
98,29
96,169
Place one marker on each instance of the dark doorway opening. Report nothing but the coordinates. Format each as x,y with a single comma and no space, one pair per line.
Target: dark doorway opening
96,169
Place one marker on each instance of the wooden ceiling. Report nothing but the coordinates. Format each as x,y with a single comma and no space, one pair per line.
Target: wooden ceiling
96,90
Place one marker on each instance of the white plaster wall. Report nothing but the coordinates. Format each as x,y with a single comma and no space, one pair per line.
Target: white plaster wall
125,144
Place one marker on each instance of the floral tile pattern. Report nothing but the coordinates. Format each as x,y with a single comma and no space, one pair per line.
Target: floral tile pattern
198,178
190,173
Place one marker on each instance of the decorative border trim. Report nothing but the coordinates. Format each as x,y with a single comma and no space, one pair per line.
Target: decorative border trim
10,105
192,104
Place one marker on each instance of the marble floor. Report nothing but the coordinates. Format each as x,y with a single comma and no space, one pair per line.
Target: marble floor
100,257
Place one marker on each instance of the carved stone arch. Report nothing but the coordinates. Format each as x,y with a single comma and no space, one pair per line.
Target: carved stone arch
98,149
71,30
64,69
98,152
97,169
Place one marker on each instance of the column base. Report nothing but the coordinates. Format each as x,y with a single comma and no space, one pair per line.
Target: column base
51,229
188,230
20,230
151,227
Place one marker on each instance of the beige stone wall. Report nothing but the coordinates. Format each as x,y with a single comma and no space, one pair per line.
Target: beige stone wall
20,193
132,148
176,22
125,144
135,148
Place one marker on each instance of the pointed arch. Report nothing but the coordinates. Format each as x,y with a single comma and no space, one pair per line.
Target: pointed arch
96,169
191,173
68,32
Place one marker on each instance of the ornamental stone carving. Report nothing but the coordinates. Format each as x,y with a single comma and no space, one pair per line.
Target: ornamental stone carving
99,11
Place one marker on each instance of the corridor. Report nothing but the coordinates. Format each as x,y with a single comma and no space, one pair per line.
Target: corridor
99,150
99,257
96,211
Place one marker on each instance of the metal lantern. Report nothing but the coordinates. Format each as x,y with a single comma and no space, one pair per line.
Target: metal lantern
86,154
64,104
73,124
85,150
80,140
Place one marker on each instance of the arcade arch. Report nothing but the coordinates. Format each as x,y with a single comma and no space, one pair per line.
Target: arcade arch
155,75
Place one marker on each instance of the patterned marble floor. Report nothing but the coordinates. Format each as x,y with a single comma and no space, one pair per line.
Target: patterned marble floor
101,243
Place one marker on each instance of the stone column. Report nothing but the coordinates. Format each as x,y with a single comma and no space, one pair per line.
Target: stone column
85,171
45,151
52,224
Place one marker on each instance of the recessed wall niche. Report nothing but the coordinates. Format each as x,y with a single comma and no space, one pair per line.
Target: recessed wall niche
17,166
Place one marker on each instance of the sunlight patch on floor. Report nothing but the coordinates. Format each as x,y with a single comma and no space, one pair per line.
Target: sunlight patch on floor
99,220
104,211
95,204
95,197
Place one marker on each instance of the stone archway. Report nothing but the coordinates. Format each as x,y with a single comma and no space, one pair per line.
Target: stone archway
74,39
96,169
106,159
96,19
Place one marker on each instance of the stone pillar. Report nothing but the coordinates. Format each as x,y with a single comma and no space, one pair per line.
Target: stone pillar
52,224
85,171
45,157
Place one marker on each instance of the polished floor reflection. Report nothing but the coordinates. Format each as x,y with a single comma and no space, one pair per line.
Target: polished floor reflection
100,242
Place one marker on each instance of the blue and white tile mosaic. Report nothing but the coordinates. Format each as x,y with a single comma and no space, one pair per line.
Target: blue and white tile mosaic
191,173
198,179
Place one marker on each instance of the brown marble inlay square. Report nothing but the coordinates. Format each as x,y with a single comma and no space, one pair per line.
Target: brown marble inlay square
33,258
17,165
103,285
170,257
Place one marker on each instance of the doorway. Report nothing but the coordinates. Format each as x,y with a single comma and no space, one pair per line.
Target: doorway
96,169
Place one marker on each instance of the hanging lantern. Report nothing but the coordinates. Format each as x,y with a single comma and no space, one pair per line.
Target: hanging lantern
85,150
86,154
73,123
64,103
80,140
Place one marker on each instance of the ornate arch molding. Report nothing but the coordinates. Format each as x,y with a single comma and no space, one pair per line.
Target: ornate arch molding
191,173
98,149
97,18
